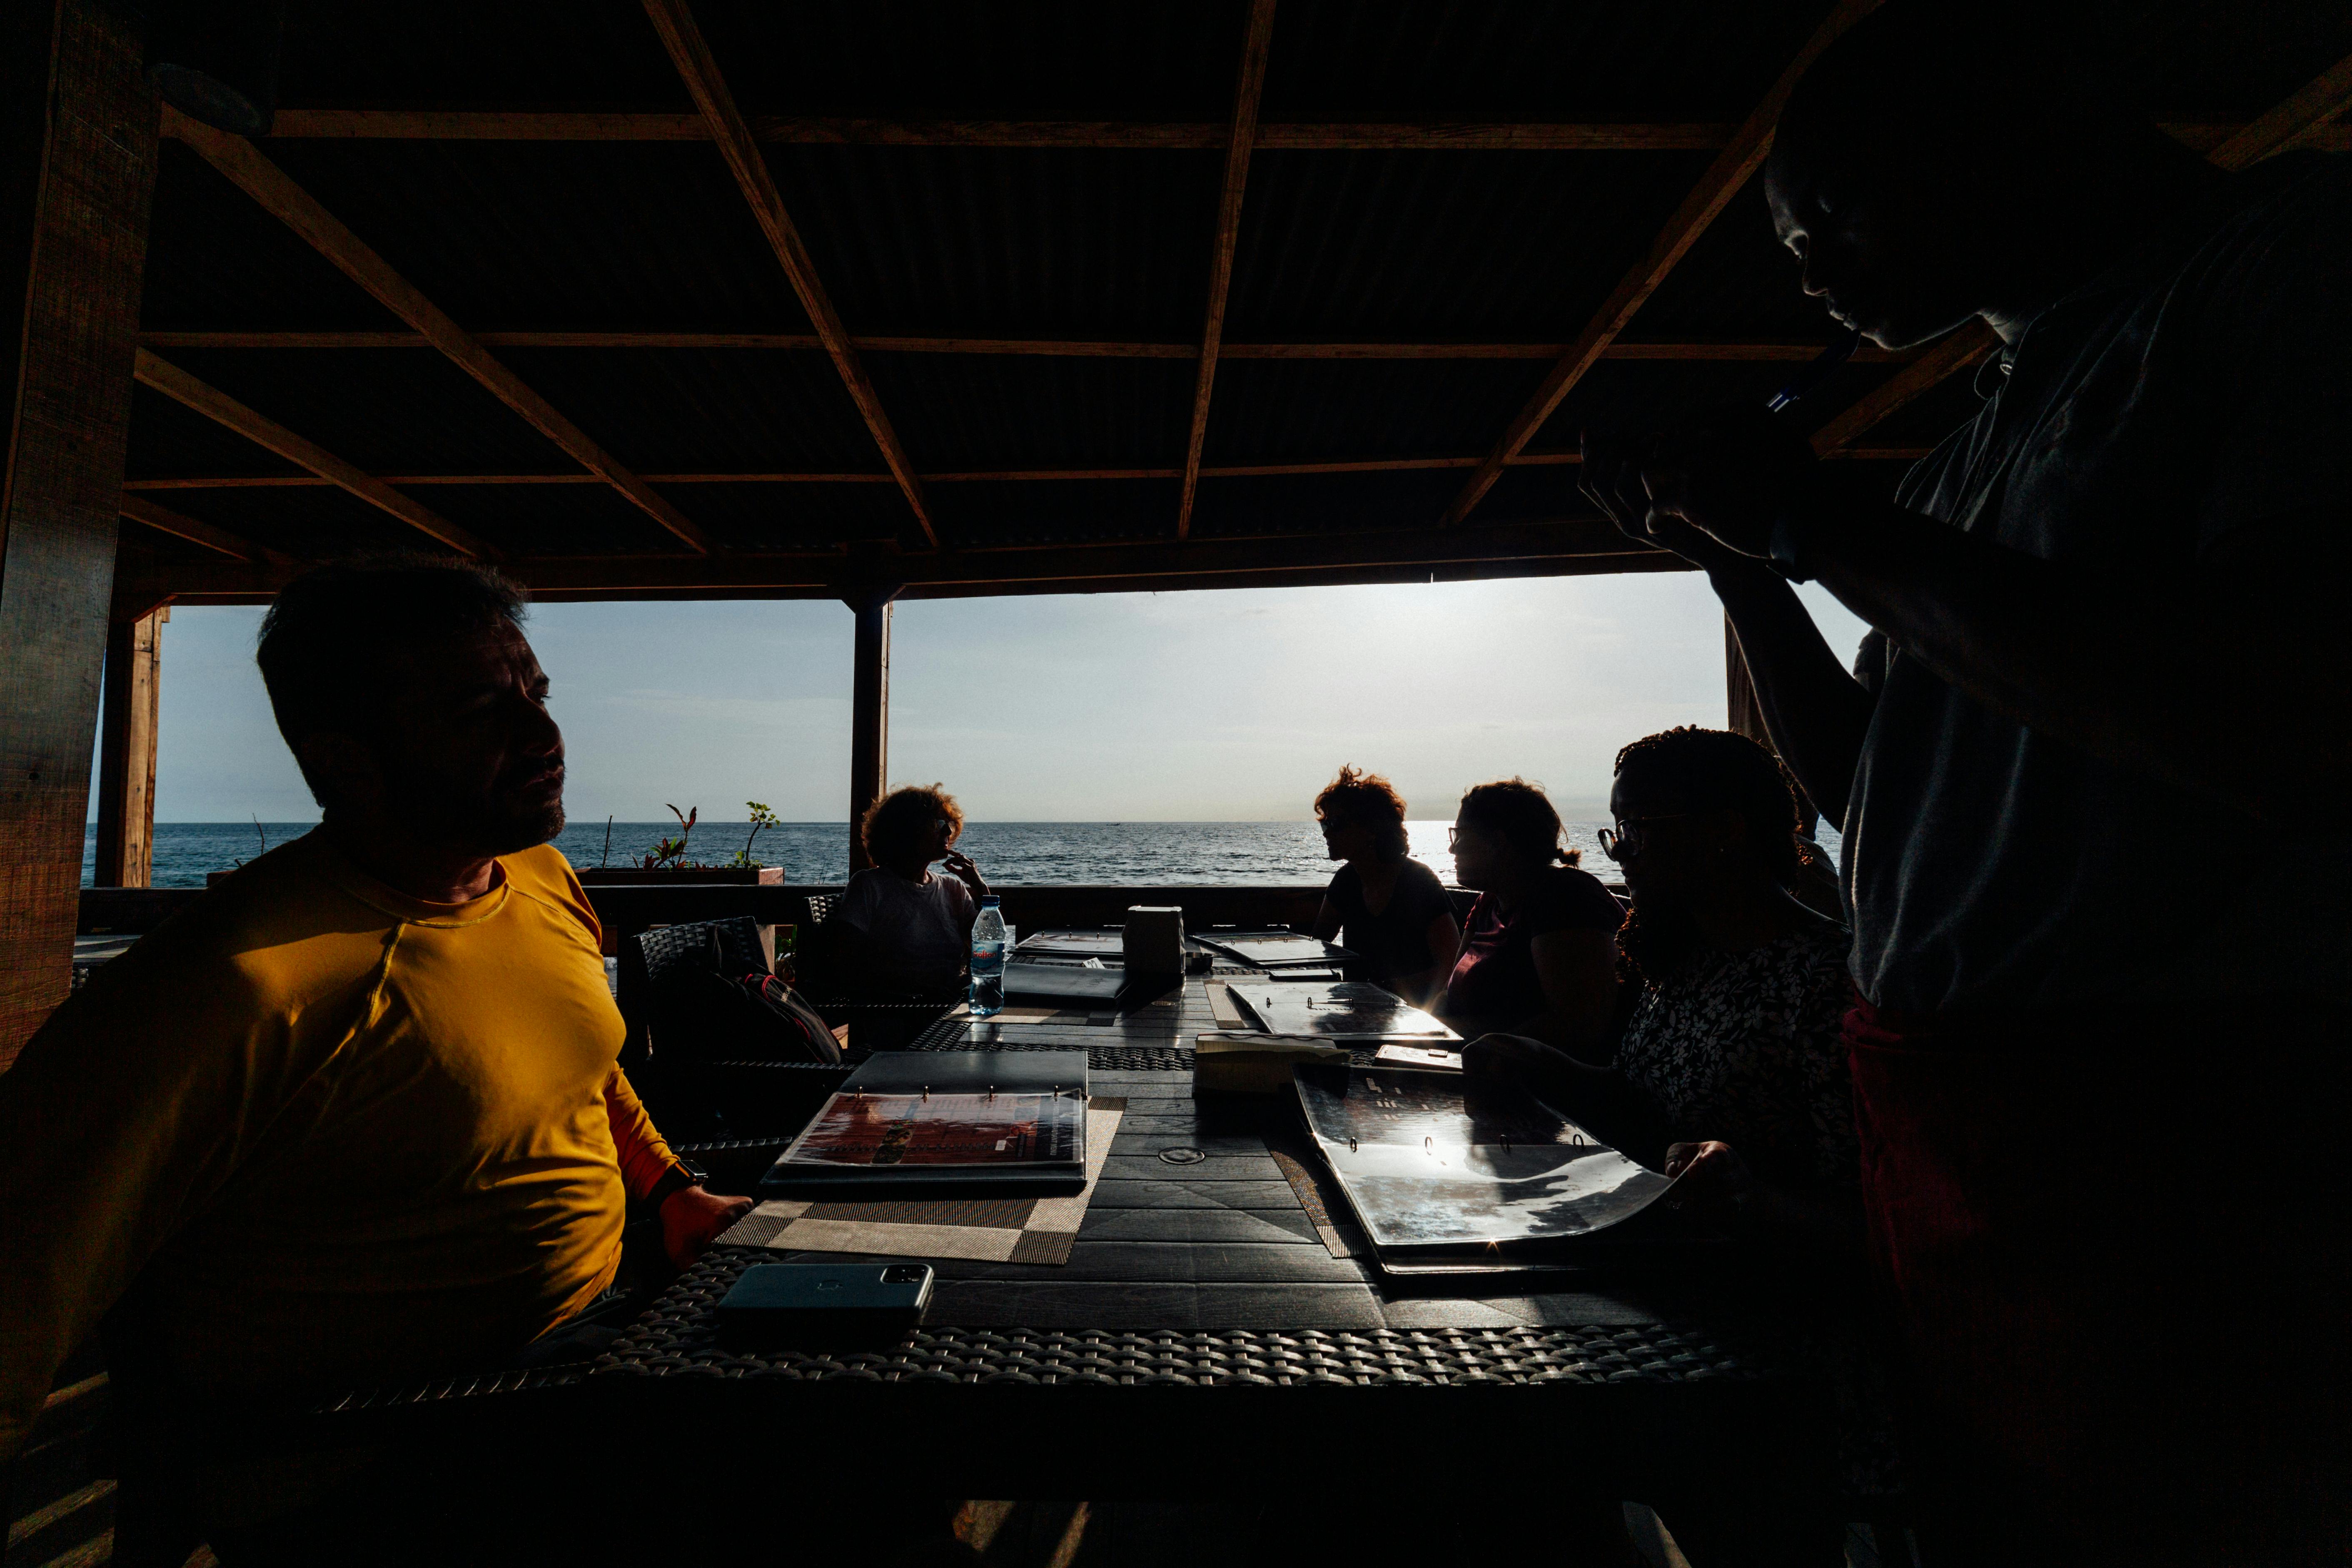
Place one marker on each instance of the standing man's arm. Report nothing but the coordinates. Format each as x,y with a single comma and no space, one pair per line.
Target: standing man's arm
1814,710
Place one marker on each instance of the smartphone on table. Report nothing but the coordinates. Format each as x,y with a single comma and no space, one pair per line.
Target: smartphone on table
818,1304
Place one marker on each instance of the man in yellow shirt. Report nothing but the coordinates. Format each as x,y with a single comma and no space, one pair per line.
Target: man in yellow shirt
355,1115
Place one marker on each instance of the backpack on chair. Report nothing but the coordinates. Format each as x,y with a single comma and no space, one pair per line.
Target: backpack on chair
711,1006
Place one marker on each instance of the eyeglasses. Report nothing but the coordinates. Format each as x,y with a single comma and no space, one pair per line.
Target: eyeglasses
1627,838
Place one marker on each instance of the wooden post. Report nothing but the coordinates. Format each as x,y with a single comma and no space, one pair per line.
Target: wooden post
77,125
869,720
1746,715
126,749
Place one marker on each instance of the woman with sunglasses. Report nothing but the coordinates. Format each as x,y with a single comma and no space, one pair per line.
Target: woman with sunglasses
1731,1071
1537,959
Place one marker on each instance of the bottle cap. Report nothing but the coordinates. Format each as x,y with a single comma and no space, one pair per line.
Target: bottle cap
989,901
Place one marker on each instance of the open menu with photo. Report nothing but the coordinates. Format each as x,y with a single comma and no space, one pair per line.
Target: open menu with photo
1443,1172
1347,1010
954,1118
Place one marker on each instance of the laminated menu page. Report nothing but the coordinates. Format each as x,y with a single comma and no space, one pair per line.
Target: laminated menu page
958,1119
1348,1010
1439,1168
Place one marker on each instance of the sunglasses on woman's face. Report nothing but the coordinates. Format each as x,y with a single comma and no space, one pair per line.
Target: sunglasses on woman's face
1628,838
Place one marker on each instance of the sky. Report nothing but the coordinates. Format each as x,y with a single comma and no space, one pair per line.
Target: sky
1202,706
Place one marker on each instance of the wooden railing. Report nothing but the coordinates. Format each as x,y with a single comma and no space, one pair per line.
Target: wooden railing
129,911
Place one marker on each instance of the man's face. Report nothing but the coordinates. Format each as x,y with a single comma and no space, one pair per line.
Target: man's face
1898,256
474,761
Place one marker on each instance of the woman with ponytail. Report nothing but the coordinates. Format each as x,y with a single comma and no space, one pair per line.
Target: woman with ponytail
1539,958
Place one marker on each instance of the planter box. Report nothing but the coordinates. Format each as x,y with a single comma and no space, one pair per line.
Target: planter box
695,877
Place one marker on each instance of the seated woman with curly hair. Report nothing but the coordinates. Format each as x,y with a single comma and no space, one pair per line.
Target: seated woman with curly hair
914,928
1383,904
1730,1070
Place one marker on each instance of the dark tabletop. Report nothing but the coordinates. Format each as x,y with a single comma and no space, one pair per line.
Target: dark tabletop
1207,1272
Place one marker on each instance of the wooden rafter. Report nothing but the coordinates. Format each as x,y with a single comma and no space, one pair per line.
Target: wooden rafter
2294,122
1362,136
219,406
1059,348
1164,135
1249,85
1740,158
1572,545
674,21
198,531
820,477
270,186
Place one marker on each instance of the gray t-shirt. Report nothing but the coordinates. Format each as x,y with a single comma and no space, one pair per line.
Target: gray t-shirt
2186,414
921,930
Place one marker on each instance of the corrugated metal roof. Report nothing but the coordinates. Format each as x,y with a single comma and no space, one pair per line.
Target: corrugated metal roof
1445,245
998,242
948,59
1530,59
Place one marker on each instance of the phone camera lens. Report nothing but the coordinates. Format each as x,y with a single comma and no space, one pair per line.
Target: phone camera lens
903,1274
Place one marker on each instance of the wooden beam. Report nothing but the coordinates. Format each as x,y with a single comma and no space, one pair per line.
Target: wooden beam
696,65
195,531
126,764
221,408
270,186
77,171
1046,347
839,574
1248,86
1740,158
1603,136
1361,136
2295,119
2326,96
1211,471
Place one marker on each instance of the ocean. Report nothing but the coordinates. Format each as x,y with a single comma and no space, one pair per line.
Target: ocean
1099,853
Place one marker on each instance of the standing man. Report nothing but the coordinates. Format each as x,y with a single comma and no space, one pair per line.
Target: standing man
2100,1087
353,1116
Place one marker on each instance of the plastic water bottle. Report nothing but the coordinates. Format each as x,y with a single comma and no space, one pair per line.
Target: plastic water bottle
988,948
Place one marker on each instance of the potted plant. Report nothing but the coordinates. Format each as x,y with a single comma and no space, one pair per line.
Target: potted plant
667,864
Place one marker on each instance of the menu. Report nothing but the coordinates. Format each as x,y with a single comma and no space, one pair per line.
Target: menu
967,1119
1346,1010
1432,1162
990,1130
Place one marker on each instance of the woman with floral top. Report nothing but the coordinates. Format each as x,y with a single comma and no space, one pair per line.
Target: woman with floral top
1730,1072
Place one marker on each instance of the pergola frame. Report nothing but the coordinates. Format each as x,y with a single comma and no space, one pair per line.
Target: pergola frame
87,170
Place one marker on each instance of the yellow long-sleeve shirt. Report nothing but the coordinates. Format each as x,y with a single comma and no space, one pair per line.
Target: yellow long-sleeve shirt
329,1133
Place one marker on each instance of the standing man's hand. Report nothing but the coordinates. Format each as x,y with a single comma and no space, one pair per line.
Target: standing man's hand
958,865
1710,489
691,1219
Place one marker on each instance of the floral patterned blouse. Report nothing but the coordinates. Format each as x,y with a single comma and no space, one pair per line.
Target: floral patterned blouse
1744,1048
